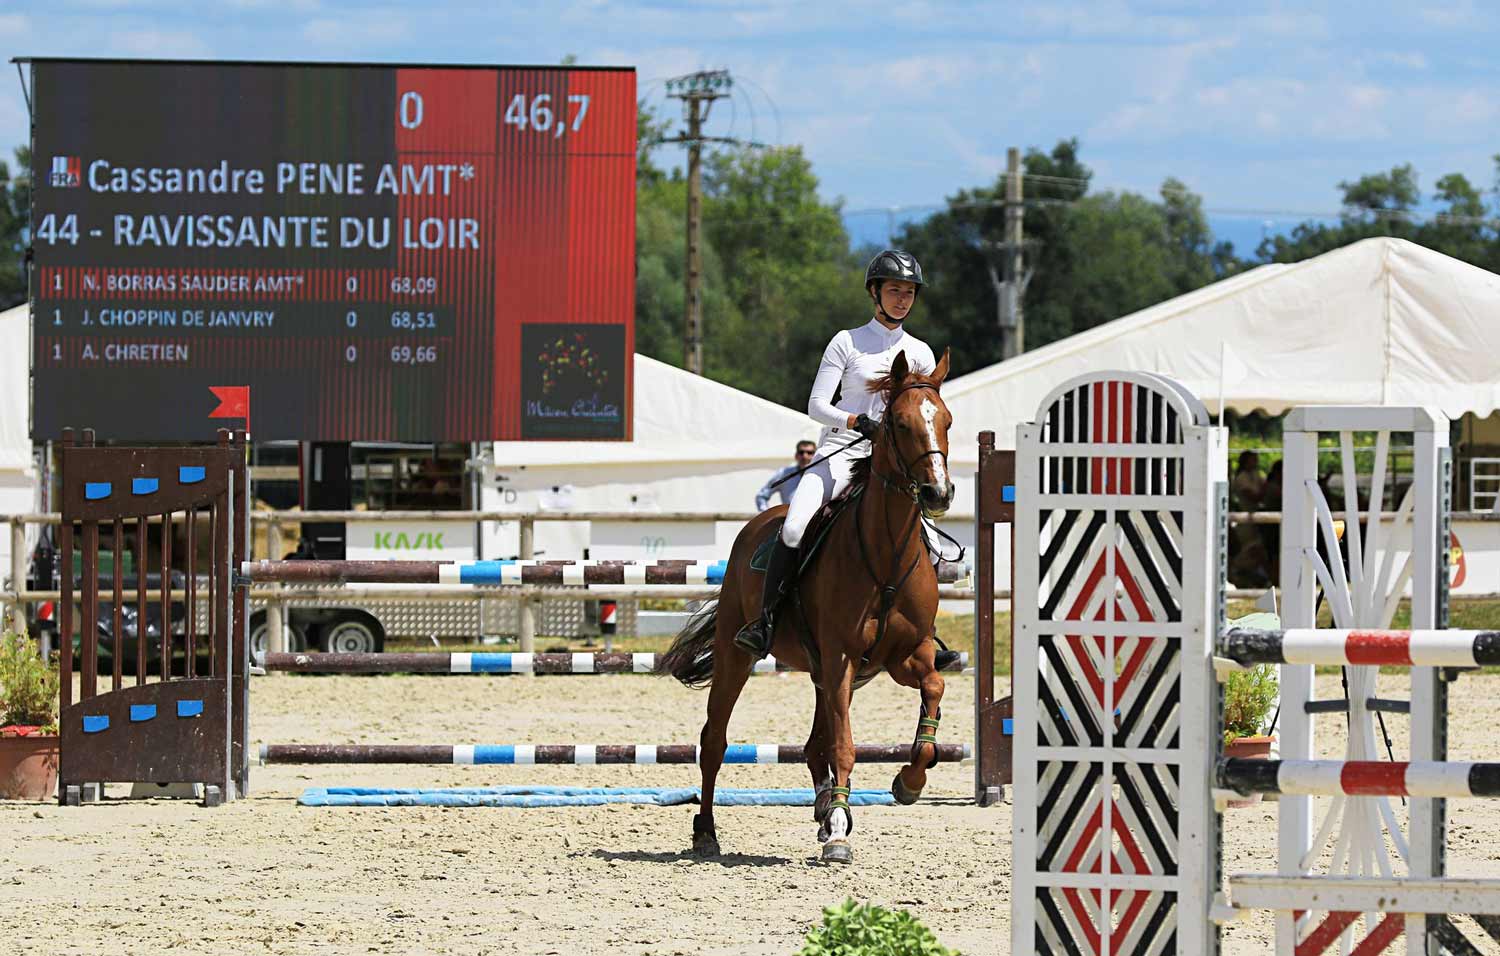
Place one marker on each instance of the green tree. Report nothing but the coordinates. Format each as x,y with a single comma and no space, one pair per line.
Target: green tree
1393,191
661,265
787,272
15,213
1384,204
1093,258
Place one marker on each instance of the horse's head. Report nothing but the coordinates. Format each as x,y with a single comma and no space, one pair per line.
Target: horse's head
914,433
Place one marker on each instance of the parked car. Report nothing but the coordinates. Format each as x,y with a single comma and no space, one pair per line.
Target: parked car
45,575
344,630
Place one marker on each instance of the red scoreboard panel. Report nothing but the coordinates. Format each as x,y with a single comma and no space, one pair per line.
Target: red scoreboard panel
375,252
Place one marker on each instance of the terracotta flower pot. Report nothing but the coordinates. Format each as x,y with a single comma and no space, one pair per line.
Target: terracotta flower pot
1252,748
28,767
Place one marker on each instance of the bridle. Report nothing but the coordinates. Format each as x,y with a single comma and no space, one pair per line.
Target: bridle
912,490
904,483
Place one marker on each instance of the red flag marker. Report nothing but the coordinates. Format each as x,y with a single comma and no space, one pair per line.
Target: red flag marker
234,402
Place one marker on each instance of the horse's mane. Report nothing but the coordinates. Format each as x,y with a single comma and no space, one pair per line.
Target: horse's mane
859,474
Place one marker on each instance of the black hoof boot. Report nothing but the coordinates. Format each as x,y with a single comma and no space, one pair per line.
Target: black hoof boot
705,840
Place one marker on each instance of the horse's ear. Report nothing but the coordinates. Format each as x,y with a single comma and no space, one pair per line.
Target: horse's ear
941,372
899,369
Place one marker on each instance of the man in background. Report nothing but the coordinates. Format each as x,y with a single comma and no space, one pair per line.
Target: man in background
788,478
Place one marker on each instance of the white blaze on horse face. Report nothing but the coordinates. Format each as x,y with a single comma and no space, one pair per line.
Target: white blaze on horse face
929,415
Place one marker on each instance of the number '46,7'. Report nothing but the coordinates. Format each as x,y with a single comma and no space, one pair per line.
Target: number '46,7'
538,114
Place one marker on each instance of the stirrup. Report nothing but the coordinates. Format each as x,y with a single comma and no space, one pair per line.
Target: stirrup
755,638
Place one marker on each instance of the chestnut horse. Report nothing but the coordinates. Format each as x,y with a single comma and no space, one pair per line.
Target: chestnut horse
865,604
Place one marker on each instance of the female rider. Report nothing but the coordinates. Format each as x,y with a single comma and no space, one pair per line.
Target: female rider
854,359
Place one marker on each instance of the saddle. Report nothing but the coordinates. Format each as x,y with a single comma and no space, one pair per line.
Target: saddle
812,543
812,539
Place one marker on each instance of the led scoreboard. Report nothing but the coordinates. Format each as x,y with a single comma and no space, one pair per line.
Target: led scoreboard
362,252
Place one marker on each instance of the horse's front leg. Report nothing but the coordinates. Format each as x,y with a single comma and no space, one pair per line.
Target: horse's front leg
919,671
815,752
837,693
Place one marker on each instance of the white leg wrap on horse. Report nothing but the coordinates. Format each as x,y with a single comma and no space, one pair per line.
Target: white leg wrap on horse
838,823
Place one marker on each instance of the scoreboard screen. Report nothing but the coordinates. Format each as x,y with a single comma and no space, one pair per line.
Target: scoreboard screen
340,253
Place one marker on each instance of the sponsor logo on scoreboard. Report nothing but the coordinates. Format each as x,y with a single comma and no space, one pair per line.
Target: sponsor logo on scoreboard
67,172
572,381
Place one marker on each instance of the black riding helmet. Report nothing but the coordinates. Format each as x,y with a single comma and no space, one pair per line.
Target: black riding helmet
892,264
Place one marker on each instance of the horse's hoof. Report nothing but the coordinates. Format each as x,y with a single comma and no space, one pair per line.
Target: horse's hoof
705,844
824,831
903,796
838,851
705,838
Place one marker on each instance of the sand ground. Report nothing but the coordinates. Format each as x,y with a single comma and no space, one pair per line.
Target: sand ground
264,875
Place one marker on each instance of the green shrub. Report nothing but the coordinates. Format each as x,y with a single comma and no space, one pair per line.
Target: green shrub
860,929
1248,698
28,684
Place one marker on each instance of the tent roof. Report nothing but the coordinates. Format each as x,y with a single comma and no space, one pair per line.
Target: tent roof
15,371
1379,322
679,417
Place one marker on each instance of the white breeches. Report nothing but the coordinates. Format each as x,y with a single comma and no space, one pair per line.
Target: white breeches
819,484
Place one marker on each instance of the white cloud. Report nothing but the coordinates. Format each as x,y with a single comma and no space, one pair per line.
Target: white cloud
351,33
1449,16
165,44
984,165
283,6
14,26
1411,60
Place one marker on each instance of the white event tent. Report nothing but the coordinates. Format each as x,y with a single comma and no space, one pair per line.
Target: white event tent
1379,322
18,486
698,446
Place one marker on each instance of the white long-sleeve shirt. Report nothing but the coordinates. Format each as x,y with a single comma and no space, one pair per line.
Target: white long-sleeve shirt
852,360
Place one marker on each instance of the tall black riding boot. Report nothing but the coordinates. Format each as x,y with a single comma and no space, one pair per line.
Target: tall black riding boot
755,637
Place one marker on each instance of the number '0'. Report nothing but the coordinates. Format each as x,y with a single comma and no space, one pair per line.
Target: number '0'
411,110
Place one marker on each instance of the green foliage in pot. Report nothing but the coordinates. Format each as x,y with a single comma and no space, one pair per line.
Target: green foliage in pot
28,684
1249,696
861,929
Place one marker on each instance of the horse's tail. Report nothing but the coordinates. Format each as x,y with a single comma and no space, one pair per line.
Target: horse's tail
691,657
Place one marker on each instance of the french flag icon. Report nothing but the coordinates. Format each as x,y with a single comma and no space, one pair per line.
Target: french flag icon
66,171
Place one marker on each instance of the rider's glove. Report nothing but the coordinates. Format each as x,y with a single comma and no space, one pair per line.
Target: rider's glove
867,426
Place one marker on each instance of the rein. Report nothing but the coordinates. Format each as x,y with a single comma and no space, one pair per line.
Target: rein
816,461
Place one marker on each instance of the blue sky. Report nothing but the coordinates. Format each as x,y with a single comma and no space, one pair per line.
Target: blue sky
1262,110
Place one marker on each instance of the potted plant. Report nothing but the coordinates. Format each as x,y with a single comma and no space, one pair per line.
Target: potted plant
1249,697
28,720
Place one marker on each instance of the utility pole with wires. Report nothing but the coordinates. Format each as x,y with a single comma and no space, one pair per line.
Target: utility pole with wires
697,92
1012,278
